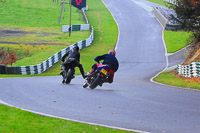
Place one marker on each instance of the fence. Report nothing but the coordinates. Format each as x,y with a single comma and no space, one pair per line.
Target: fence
39,68
192,70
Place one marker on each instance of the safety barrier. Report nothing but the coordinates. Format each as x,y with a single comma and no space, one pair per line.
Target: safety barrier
163,16
65,28
172,1
40,68
192,70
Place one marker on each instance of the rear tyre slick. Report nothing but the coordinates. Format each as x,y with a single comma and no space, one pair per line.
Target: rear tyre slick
96,82
69,77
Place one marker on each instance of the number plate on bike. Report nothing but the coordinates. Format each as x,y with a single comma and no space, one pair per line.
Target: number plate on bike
104,71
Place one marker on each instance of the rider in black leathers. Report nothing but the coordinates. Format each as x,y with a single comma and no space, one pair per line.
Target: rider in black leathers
74,53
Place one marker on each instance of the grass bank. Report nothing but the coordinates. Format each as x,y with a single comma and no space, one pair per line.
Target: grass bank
106,34
175,80
176,40
37,13
31,29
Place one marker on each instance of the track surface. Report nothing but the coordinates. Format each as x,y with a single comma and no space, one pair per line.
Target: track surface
132,101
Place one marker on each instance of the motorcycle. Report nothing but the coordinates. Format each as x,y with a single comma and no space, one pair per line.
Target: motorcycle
68,73
98,77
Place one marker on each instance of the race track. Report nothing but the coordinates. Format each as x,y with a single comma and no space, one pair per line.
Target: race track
132,101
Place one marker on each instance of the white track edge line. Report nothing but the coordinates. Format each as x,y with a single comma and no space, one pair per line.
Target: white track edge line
73,120
167,62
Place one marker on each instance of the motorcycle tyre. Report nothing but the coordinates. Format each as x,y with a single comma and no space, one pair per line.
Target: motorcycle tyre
95,83
85,84
69,76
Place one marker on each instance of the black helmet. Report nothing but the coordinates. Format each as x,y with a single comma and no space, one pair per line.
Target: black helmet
76,48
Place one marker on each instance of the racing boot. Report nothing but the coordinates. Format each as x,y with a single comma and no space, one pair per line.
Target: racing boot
90,73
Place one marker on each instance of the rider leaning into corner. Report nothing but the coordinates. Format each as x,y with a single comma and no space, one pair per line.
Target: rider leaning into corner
110,60
74,53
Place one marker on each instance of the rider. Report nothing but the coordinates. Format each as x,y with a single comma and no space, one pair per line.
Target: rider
72,54
110,60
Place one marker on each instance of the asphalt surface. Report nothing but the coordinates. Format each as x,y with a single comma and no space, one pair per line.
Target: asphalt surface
132,101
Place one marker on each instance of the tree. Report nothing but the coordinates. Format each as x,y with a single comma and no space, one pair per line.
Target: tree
188,16
7,57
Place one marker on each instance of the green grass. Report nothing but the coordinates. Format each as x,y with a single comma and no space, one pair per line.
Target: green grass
37,13
160,2
14,120
34,54
171,79
175,40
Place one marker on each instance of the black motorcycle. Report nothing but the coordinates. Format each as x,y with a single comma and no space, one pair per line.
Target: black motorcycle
68,73
98,77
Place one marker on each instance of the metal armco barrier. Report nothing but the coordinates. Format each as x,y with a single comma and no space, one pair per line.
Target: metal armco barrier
192,70
40,68
3,69
172,1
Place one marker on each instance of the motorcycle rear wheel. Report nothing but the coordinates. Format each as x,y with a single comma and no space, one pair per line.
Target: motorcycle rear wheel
96,82
69,76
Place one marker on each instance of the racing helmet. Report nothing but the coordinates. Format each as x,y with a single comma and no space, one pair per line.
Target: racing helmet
76,48
113,52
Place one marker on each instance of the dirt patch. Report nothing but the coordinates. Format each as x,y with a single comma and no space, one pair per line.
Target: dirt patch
10,35
193,54
60,44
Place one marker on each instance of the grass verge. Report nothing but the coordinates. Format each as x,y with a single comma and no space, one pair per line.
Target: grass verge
160,2
175,80
175,40
17,121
